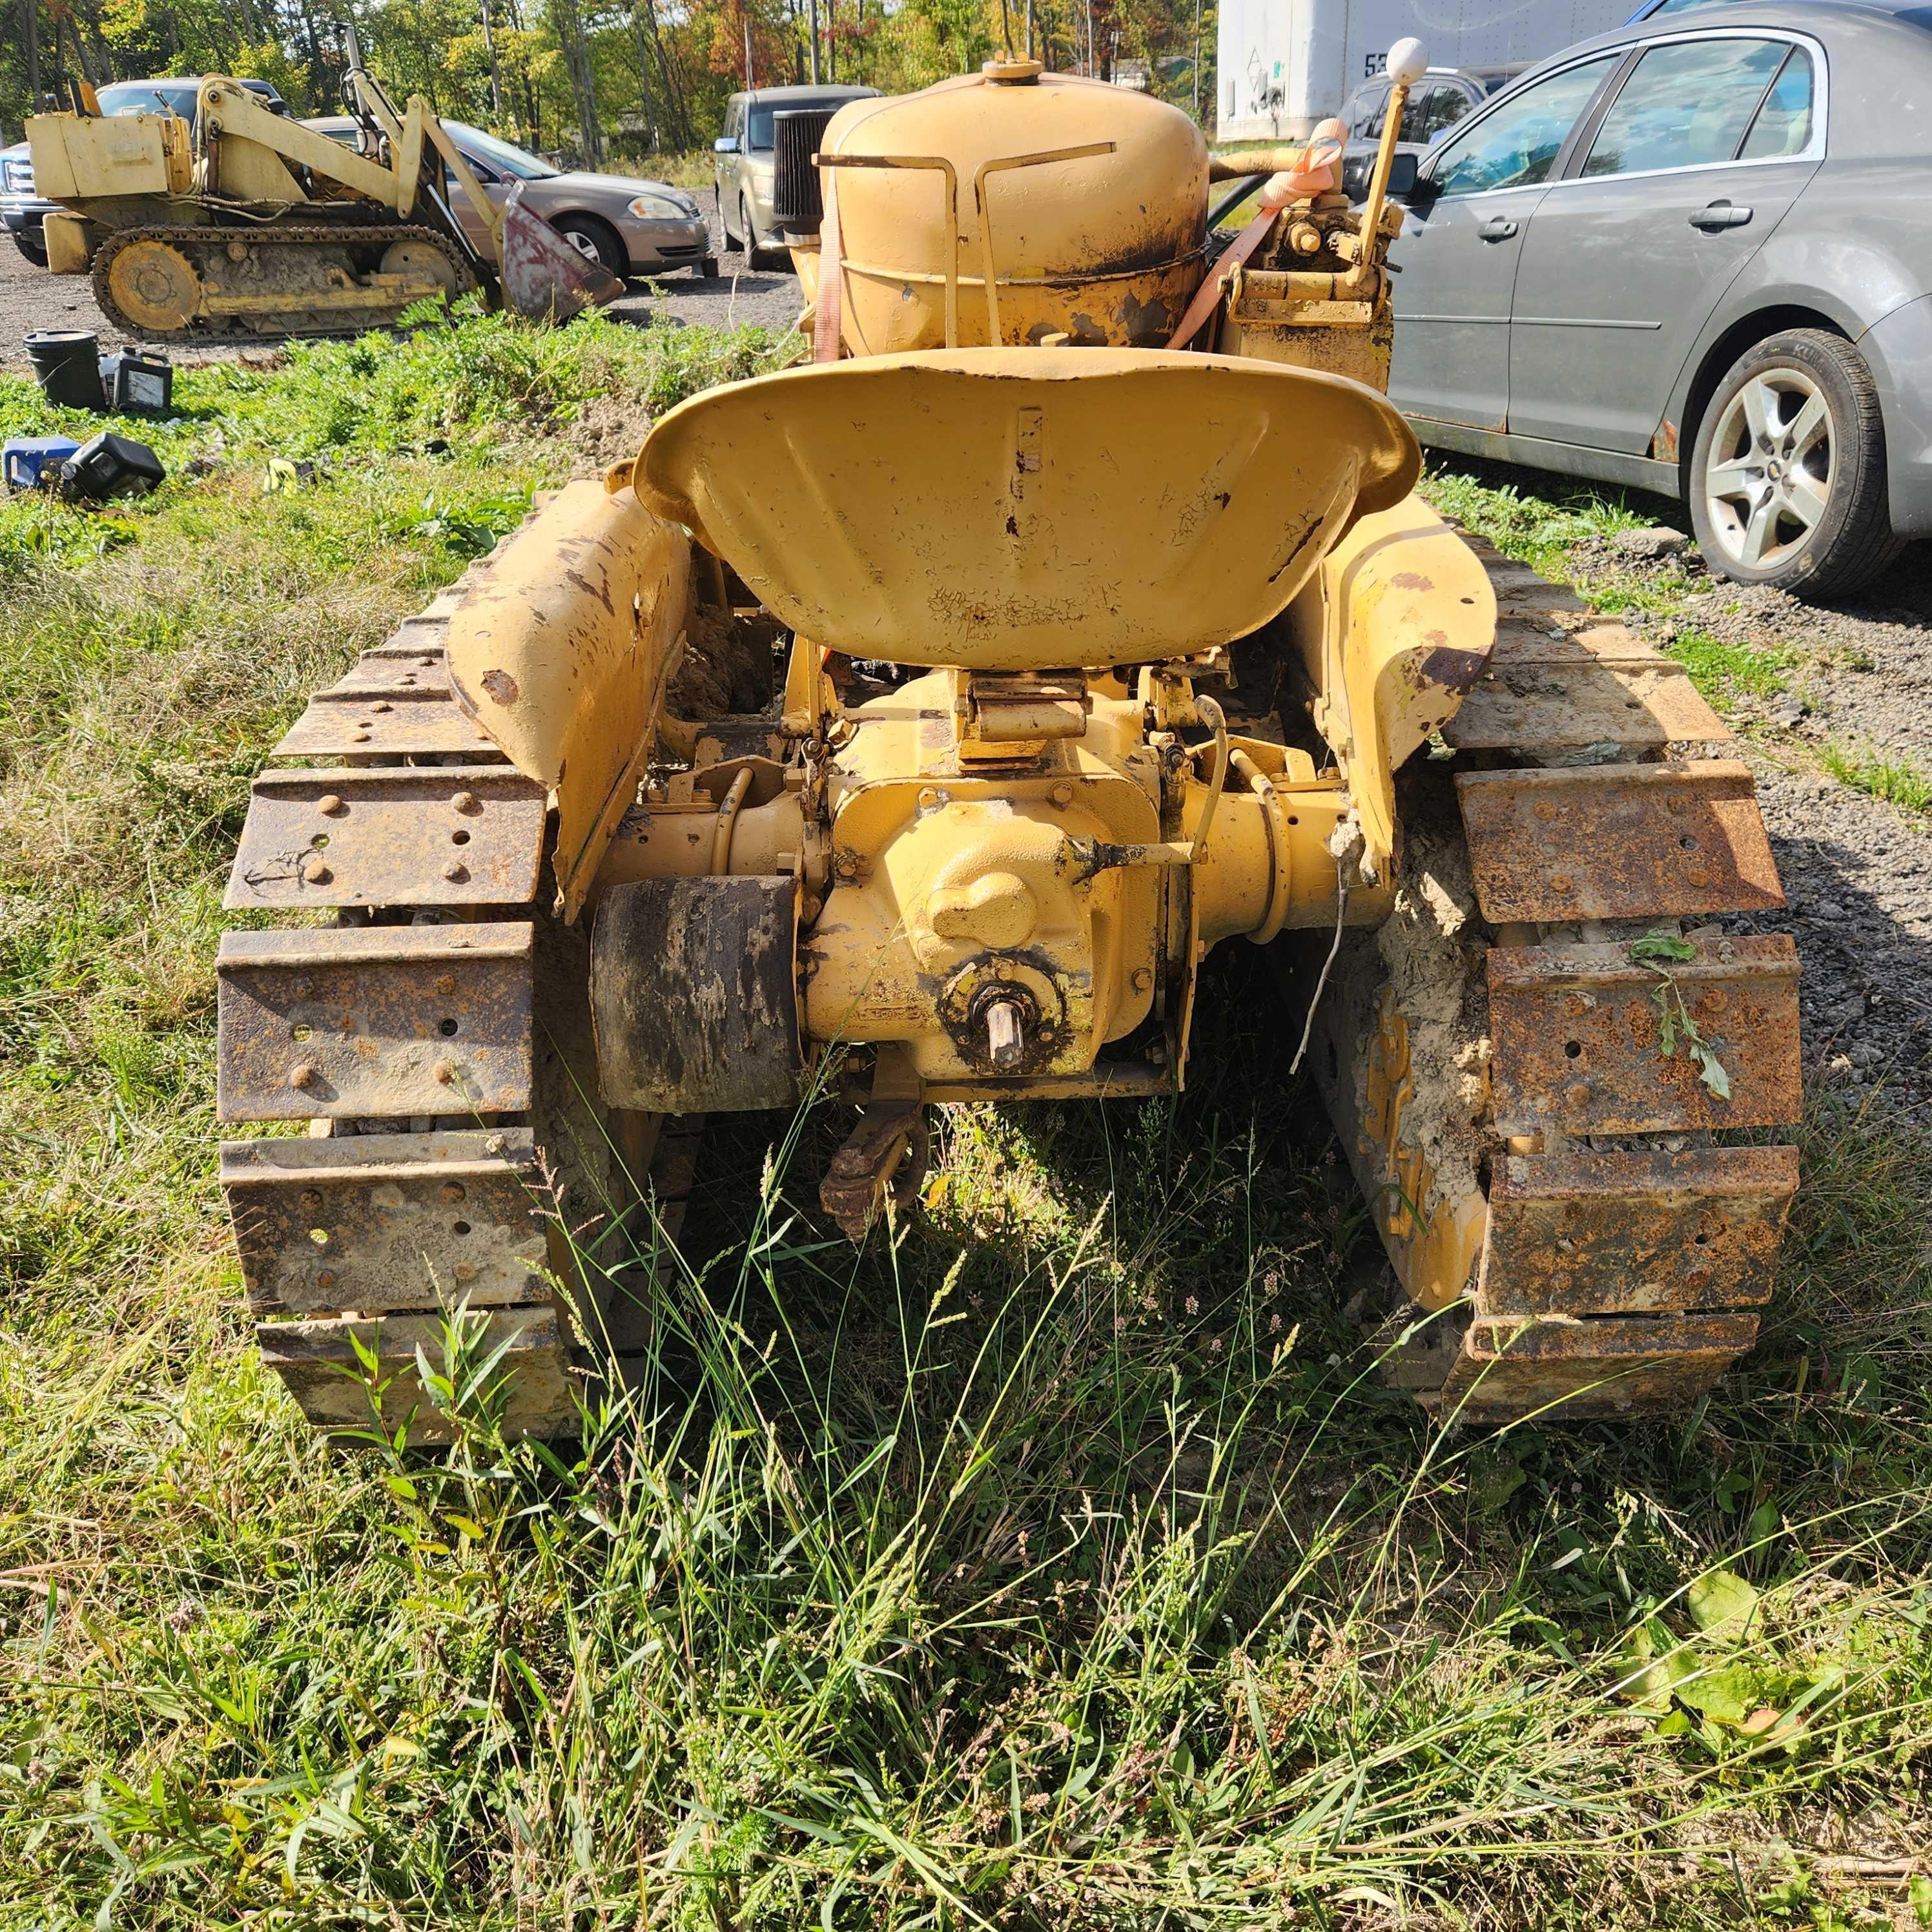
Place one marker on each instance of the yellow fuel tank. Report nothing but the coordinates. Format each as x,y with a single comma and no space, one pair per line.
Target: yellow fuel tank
1056,205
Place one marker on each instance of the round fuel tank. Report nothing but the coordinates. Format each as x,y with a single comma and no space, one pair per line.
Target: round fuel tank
1105,247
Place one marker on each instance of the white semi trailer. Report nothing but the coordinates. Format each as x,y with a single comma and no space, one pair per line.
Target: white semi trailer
1284,64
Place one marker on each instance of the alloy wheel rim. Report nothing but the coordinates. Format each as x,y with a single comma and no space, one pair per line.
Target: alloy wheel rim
1768,483
584,246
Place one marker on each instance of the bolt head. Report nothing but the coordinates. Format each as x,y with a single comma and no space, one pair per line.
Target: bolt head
326,1279
1562,882
305,1073
452,1190
465,801
316,872
445,1071
329,804
1061,795
455,871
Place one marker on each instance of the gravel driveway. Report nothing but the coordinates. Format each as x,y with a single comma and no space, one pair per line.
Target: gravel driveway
31,299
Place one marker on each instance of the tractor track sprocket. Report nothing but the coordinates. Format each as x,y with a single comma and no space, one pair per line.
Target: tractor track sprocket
186,284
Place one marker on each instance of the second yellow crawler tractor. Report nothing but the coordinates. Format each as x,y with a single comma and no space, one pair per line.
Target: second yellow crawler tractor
1089,647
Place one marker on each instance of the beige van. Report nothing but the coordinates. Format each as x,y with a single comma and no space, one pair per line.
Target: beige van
743,159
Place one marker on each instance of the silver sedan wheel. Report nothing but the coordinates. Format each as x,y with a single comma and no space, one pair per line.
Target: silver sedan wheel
583,243
1768,479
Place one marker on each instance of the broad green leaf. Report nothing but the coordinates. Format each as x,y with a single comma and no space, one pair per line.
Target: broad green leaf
1660,946
1719,1600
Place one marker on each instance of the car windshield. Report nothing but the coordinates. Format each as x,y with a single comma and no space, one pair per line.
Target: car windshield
149,96
506,159
759,137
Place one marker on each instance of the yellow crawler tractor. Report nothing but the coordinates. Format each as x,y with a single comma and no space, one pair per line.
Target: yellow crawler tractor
1100,625
245,223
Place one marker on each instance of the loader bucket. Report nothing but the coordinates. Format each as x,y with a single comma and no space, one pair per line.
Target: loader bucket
544,278
1014,509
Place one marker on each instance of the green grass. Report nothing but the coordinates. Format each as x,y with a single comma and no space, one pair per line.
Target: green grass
1898,781
1059,1563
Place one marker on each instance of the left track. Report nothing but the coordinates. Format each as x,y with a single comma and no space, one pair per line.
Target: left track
432,1032
205,282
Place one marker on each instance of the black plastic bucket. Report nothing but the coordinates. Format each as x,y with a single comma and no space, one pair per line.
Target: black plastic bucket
67,365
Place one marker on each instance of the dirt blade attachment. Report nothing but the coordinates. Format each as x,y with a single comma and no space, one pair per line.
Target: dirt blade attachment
544,278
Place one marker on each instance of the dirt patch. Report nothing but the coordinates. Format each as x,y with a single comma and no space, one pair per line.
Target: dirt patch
726,669
606,429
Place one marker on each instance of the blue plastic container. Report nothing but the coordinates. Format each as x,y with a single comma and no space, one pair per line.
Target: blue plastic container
26,459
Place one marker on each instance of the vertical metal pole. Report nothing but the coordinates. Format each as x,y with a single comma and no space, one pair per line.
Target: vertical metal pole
1197,61
1029,30
496,71
749,82
814,43
1090,39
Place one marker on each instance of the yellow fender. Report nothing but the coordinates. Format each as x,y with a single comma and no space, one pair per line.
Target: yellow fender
561,651
1394,630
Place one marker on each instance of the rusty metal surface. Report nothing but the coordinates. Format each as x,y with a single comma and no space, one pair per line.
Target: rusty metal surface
694,994
1539,704
440,835
383,673
318,1365
374,1022
1578,1035
1633,1233
420,636
1608,1367
1616,841
883,1159
377,1221
396,724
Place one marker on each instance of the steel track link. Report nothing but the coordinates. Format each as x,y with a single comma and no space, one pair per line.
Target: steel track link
437,1050
194,240
1625,1252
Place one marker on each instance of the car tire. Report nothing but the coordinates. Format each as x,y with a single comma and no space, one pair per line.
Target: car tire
727,241
757,256
1787,475
35,251
597,239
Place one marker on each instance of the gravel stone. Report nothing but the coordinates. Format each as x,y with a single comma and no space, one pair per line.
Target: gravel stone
1650,544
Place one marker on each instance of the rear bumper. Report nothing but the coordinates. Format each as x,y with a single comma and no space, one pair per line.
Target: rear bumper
1898,351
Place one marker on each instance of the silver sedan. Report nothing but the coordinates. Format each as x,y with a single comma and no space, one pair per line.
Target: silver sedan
1692,256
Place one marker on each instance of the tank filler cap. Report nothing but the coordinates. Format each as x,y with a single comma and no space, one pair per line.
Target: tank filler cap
1011,71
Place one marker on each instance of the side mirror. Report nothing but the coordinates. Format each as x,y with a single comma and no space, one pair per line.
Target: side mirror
1402,177
725,144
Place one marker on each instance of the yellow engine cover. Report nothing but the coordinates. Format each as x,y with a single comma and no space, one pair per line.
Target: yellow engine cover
1105,247
1010,510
